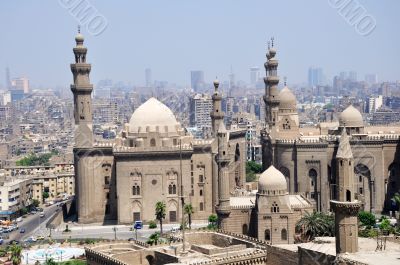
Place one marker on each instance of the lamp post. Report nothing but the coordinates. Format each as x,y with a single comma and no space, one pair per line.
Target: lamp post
115,232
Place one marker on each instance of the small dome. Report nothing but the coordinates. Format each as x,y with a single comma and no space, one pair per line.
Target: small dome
351,117
287,100
153,114
272,180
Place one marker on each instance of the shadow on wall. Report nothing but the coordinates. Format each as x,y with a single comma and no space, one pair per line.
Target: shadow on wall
393,181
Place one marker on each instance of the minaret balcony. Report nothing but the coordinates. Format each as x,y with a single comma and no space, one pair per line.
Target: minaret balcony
273,79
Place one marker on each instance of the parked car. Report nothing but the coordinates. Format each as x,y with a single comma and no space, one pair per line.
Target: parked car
22,230
40,238
19,219
42,215
1,240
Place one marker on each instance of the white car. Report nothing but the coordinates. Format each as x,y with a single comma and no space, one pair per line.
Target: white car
19,219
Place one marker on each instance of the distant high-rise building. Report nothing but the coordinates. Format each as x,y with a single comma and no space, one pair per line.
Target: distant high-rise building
197,80
254,75
149,82
315,76
343,75
200,109
231,80
371,79
8,79
21,83
353,76
375,103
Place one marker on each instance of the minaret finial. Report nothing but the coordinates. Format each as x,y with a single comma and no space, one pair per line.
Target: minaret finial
272,42
284,80
216,84
269,45
79,29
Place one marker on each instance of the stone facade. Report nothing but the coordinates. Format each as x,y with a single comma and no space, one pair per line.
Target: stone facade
154,159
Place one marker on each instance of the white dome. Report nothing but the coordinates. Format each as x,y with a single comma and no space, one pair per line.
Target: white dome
272,180
153,115
351,117
287,100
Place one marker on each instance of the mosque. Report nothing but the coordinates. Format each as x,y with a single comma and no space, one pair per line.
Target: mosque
156,159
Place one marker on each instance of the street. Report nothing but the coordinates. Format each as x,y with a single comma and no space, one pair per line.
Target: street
33,225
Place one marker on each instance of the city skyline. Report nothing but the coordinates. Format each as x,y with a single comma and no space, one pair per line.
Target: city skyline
211,40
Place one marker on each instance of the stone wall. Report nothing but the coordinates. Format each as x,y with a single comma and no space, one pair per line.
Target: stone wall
279,256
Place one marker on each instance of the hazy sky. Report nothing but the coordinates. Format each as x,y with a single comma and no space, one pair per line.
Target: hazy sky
173,37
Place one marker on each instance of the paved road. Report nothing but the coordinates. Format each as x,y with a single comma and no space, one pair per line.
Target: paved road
33,225
107,232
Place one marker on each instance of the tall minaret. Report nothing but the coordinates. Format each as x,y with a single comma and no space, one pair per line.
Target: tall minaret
217,116
223,208
346,207
271,88
82,90
271,100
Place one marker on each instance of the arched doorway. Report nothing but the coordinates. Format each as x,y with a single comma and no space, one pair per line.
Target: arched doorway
245,229
267,235
364,186
392,186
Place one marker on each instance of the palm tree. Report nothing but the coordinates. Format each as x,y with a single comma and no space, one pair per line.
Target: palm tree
16,254
396,199
315,224
189,211
160,213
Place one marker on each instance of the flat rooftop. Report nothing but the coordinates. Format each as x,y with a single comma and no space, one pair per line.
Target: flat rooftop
367,253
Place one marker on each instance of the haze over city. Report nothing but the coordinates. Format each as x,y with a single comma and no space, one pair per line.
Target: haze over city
174,37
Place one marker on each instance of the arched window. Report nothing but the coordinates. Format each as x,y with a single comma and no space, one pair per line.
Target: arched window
201,192
201,206
136,190
245,229
201,178
172,189
313,175
153,142
267,235
274,208
348,196
283,234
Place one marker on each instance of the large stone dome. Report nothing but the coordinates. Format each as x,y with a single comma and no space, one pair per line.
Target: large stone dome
272,182
351,117
287,100
153,116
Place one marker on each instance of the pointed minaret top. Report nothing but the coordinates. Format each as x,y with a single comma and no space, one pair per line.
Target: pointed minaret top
79,37
344,149
216,84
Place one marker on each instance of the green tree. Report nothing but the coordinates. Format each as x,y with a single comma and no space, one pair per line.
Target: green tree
23,210
45,195
366,218
252,168
315,224
212,220
152,224
160,214
189,211
16,254
35,203
385,224
154,238
396,199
